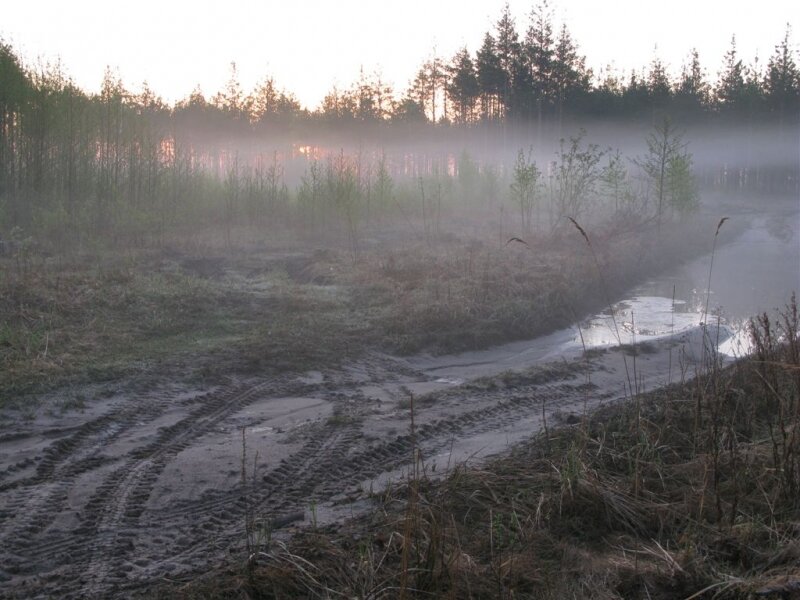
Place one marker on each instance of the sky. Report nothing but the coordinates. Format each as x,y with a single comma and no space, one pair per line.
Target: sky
308,46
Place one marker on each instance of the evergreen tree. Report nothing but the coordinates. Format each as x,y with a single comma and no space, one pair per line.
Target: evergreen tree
571,79
782,81
730,90
462,86
692,89
607,95
429,88
507,50
490,78
659,86
667,167
540,49
751,102
231,99
339,105
269,104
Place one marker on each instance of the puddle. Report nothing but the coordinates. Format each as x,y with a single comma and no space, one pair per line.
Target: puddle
757,272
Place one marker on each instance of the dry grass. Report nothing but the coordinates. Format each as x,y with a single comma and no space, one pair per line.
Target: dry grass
205,310
459,294
82,320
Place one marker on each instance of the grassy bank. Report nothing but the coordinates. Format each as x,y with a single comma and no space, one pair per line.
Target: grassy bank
688,492
210,311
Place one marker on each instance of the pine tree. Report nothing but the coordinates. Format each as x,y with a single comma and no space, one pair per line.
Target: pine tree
782,81
729,92
540,48
462,87
570,77
490,77
658,84
692,89
507,49
667,167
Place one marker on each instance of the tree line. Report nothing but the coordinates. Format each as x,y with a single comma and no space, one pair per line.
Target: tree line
540,74
534,72
77,164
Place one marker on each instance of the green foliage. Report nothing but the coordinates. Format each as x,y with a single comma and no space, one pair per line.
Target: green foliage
525,188
683,197
576,176
667,166
615,185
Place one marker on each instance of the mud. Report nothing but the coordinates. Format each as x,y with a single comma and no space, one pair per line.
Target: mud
101,501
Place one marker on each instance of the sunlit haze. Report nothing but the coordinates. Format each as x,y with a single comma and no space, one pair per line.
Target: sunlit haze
310,46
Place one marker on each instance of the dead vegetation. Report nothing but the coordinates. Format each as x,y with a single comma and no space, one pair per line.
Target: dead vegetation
687,492
205,311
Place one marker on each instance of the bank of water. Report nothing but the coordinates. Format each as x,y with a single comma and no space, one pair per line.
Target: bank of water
699,305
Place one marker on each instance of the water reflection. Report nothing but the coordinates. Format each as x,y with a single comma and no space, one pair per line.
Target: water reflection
755,273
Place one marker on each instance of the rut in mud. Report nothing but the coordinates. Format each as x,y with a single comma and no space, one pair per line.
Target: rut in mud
153,486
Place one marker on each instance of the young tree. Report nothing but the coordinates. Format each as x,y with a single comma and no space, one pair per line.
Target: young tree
615,185
682,191
575,177
667,167
524,188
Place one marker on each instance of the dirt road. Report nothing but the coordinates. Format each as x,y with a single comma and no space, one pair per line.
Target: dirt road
157,483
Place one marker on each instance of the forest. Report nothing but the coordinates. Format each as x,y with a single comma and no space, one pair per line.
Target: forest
76,165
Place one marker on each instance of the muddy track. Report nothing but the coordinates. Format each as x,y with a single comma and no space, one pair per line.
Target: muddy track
25,513
328,467
117,544
314,477
114,503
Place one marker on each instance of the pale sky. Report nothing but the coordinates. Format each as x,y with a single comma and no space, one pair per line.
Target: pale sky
310,45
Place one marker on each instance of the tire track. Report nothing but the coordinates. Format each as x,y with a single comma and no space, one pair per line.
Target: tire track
28,512
119,546
314,476
104,539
